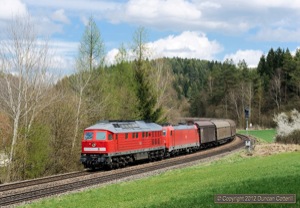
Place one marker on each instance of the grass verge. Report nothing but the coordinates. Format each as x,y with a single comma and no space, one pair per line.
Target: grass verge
264,135
195,186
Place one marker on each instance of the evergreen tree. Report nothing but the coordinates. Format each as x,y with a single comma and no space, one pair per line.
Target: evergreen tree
145,93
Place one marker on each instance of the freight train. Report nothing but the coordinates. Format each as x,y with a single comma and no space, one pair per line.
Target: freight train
114,144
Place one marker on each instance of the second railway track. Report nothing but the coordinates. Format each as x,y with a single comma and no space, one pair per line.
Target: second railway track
21,184
9,198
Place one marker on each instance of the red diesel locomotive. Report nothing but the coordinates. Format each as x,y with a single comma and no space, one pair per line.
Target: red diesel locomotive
116,143
113,144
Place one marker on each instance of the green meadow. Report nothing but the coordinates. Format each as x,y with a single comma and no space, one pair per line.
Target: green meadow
262,135
195,186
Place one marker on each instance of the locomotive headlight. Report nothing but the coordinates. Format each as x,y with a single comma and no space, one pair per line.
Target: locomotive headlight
93,144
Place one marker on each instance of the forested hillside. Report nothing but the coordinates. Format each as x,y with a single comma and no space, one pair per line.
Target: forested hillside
215,89
198,88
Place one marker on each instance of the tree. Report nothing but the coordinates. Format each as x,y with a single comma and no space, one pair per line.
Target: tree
122,55
90,56
145,92
59,118
275,89
162,76
295,74
24,62
91,49
288,68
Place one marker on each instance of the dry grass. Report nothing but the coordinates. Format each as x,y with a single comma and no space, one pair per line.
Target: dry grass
265,149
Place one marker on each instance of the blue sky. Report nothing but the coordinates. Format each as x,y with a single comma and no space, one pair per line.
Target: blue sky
211,29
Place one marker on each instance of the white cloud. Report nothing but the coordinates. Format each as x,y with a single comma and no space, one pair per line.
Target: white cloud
251,57
167,9
75,5
60,16
186,45
278,34
62,65
111,56
277,3
46,27
230,17
293,52
64,47
64,54
84,20
10,8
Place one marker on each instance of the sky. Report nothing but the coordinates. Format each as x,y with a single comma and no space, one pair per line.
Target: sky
207,30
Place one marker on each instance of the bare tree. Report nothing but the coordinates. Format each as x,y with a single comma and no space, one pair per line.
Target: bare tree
234,99
249,97
162,76
91,55
275,89
210,84
122,55
140,49
24,62
259,95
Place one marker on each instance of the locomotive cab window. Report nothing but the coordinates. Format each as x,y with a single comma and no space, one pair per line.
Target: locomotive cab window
100,136
164,133
88,135
110,137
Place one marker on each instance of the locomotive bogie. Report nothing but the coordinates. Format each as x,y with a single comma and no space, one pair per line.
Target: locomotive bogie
94,160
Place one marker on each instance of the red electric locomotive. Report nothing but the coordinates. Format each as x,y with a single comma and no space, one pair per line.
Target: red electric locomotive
181,138
116,143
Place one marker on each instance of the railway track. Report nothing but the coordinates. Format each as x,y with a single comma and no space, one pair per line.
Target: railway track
104,177
22,184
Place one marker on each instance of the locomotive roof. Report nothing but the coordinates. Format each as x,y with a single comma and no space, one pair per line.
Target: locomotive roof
125,126
183,126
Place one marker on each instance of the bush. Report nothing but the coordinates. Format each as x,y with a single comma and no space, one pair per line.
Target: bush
292,138
288,127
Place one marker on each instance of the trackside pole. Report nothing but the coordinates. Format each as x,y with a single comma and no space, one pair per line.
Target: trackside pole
248,142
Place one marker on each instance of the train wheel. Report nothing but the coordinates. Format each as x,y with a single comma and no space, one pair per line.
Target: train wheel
109,166
122,162
116,163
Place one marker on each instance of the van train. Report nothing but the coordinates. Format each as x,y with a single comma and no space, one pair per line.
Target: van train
114,144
